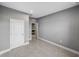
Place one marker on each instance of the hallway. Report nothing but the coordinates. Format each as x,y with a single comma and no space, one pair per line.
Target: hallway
38,48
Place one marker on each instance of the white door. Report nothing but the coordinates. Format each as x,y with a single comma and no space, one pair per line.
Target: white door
16,33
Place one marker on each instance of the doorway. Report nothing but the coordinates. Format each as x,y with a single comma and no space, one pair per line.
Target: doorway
34,31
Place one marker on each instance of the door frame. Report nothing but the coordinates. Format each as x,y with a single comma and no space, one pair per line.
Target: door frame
36,24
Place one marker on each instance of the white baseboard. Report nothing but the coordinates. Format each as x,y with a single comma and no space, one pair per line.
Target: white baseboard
4,51
7,50
66,48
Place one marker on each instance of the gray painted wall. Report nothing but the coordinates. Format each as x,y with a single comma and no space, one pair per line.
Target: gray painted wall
5,15
61,27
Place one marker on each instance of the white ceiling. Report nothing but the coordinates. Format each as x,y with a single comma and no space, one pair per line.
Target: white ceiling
39,9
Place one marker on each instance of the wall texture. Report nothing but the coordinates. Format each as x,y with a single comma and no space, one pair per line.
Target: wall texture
61,27
5,15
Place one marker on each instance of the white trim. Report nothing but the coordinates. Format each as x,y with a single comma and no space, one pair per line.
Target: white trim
4,51
61,46
37,30
7,50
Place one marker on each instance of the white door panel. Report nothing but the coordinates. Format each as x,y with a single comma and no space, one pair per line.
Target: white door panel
16,33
